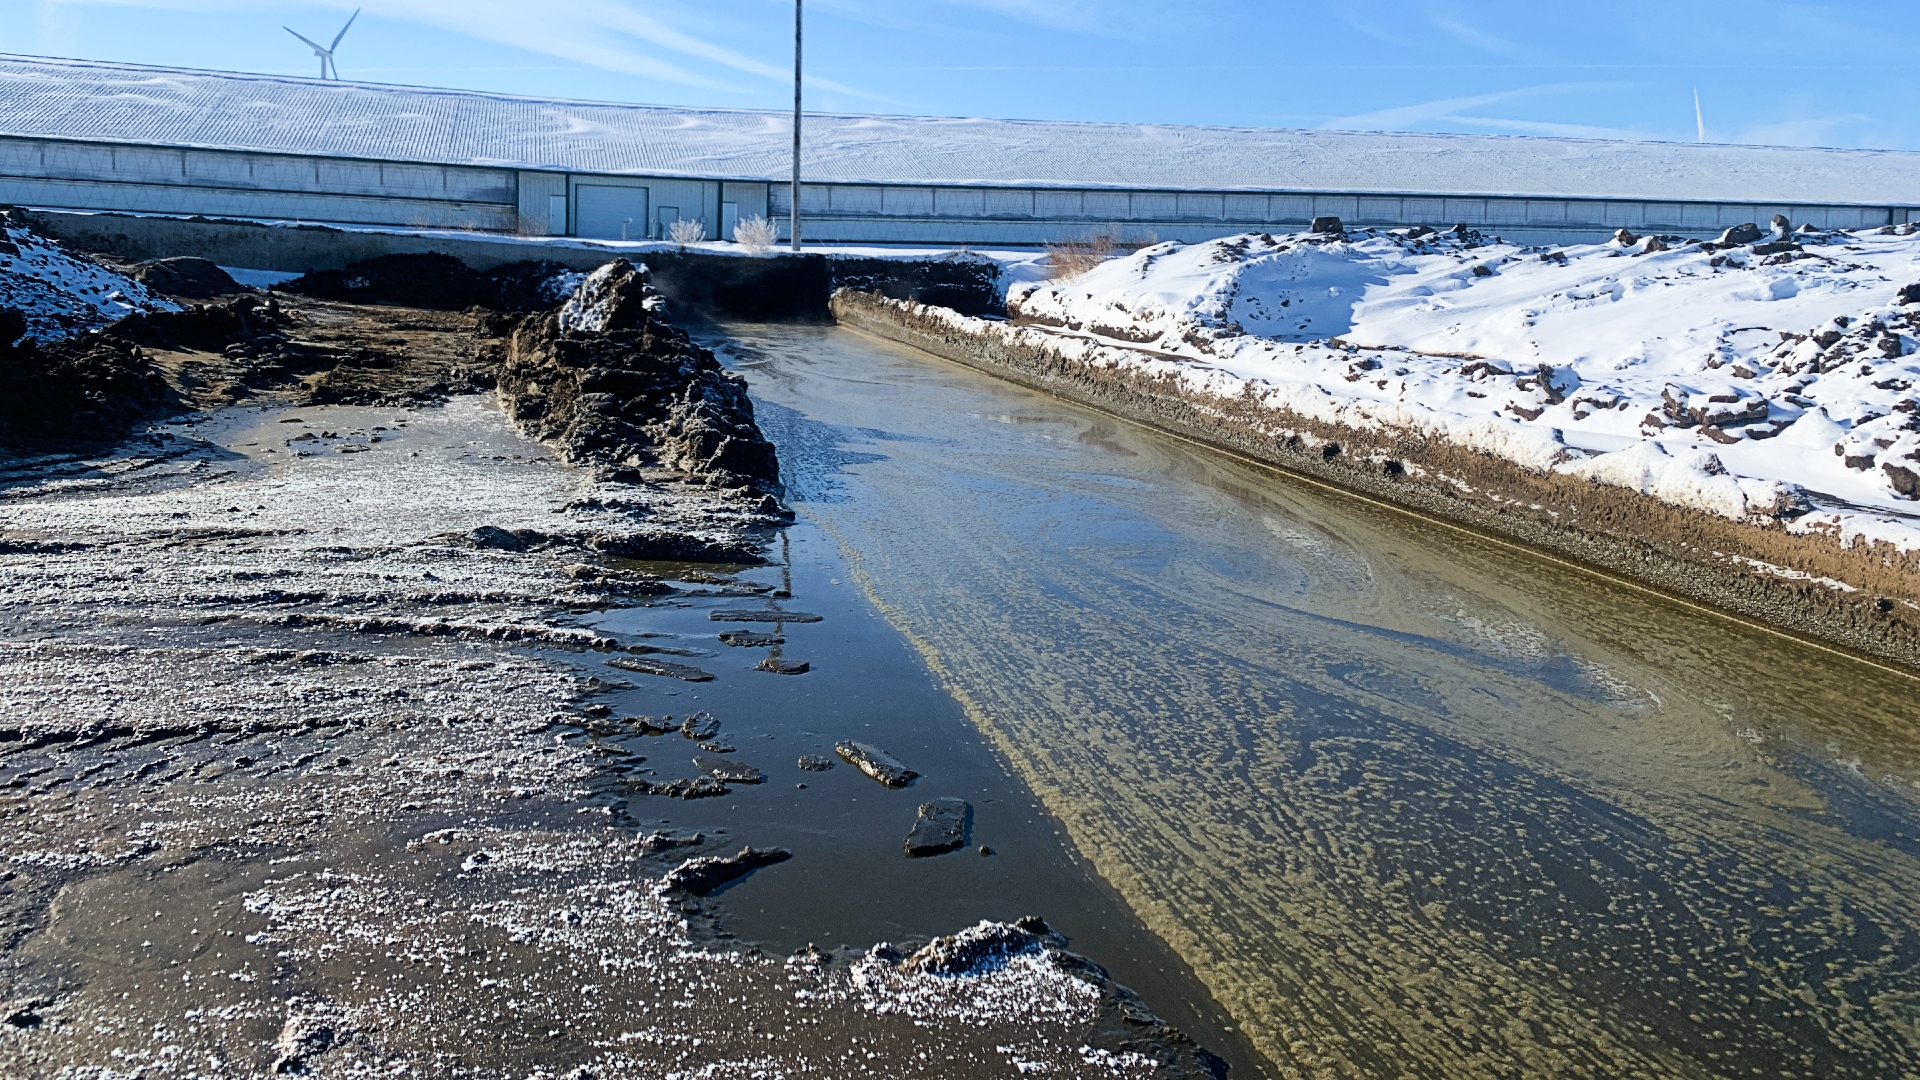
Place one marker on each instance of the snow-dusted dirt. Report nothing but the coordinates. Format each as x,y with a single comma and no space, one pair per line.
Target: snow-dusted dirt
60,294
303,771
1764,380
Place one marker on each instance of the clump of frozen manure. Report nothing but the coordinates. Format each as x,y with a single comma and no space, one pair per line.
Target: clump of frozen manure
995,970
186,277
705,874
437,282
611,382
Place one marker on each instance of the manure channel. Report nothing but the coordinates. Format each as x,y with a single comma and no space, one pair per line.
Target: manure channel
1408,803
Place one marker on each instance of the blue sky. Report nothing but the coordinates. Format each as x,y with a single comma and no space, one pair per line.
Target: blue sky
1832,74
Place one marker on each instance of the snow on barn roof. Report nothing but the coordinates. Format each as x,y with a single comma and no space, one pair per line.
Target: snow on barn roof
154,106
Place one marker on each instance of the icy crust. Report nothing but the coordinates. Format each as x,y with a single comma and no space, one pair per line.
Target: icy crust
604,936
60,295
1755,381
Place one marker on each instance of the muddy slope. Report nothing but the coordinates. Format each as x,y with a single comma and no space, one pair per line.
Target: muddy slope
1685,553
598,370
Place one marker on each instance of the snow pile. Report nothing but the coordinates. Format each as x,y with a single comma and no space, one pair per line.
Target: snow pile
60,295
1770,377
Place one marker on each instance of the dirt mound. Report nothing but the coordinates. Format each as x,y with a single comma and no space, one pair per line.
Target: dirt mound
435,281
79,390
617,296
244,320
431,280
609,381
187,277
538,285
61,294
92,387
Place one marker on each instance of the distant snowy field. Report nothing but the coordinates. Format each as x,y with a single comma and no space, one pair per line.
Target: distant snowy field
1772,378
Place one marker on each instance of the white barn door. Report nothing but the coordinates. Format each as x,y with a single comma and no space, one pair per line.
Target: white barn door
604,212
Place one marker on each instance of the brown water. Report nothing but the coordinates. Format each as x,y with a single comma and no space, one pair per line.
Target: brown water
1409,803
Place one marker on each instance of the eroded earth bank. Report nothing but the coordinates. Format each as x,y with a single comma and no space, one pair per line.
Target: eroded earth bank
327,616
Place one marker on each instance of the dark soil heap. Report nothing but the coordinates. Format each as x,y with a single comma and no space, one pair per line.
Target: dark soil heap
92,387
197,279
77,389
610,382
603,376
435,281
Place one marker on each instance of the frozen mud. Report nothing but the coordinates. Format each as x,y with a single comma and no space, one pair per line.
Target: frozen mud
300,778
304,770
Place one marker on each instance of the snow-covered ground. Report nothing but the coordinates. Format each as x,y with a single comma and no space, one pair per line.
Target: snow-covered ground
59,294
1765,378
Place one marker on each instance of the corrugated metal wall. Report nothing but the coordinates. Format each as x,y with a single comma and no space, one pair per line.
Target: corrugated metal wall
1016,216
53,173
92,176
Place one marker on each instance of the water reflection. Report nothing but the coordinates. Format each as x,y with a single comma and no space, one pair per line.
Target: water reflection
1410,804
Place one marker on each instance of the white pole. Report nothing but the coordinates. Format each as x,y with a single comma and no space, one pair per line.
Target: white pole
793,219
1699,118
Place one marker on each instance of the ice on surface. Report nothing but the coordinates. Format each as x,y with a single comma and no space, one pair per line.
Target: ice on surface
72,99
1737,381
258,279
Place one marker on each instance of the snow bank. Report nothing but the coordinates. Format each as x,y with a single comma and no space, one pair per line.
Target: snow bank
60,295
1770,379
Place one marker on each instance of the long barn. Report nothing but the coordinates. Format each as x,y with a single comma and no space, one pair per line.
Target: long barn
97,136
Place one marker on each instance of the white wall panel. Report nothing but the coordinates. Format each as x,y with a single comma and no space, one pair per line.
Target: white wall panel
536,206
961,202
854,200
1545,212
54,160
1190,207
1003,203
907,201
1248,208
260,205
1153,206
1345,207
1290,209
1059,204
1375,209
751,197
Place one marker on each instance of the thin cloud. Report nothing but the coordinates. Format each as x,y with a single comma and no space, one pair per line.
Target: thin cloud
1083,17
1098,18
1542,127
1812,131
1476,37
594,33
1426,111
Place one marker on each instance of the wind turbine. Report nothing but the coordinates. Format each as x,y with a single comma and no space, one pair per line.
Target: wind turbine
325,53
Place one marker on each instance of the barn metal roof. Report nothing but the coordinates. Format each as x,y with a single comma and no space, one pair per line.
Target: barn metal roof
124,103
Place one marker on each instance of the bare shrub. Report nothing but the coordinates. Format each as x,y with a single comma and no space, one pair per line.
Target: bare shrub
1075,256
755,234
687,231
